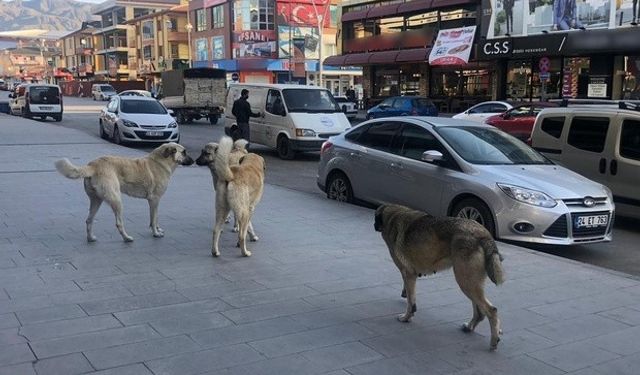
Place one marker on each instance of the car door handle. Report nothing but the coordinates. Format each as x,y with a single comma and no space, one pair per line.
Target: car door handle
613,167
354,155
602,168
396,166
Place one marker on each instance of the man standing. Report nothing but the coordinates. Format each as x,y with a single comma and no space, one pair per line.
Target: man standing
242,112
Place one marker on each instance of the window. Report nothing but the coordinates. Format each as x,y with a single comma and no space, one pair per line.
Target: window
356,133
173,24
379,136
147,52
120,16
389,25
588,133
175,51
254,15
402,104
147,30
139,12
274,103
201,20
151,107
333,15
484,108
414,141
202,50
630,140
553,126
217,17
107,19
521,111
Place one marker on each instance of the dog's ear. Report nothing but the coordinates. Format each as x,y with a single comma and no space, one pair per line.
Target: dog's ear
168,152
377,224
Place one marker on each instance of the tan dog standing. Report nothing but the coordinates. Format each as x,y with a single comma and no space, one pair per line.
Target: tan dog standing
107,177
239,190
421,244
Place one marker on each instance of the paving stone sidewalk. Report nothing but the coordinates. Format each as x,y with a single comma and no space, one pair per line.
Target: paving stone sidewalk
320,294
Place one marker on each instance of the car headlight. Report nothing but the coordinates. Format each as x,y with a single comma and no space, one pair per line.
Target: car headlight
173,125
305,133
129,124
532,197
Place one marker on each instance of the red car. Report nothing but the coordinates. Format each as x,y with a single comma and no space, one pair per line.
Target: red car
519,120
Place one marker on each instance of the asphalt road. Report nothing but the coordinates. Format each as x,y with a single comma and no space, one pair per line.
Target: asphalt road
622,254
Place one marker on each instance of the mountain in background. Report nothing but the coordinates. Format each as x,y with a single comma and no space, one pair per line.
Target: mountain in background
53,15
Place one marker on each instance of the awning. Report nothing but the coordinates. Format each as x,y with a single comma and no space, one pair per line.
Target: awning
357,59
385,57
335,60
355,16
449,3
386,10
413,55
414,6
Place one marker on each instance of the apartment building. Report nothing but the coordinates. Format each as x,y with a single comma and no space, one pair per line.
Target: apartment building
77,51
162,42
115,42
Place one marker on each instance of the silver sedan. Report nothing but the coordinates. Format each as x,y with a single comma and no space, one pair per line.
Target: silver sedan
459,168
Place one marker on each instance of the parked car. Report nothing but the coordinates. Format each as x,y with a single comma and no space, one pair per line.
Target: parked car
403,106
449,167
102,91
294,118
482,111
137,119
37,100
348,107
518,121
600,143
136,93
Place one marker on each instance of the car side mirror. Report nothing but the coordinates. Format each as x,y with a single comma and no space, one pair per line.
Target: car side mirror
171,113
432,156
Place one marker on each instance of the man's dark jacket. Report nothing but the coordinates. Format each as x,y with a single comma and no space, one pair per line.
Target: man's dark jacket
242,111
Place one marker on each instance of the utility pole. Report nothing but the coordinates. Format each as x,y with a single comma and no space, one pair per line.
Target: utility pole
290,42
320,19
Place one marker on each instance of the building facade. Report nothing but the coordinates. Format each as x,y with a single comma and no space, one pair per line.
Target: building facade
77,51
520,50
162,43
269,41
115,42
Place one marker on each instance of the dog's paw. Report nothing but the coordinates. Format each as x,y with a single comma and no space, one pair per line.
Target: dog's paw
128,239
247,253
158,234
254,238
160,230
215,253
92,239
494,344
404,318
465,328
235,229
227,220
404,293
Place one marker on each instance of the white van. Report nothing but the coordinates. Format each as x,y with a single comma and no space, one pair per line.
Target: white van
295,118
601,143
37,100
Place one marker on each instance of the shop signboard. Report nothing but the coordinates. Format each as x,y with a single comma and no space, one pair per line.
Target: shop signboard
254,43
308,34
539,45
452,46
597,87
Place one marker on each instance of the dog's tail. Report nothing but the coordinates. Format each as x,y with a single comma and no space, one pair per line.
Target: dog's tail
222,159
240,145
492,260
69,170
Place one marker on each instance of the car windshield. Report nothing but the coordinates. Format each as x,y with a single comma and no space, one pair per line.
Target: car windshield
421,103
310,101
340,99
489,146
107,88
151,107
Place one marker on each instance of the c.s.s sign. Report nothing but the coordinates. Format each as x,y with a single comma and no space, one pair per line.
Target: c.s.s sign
497,48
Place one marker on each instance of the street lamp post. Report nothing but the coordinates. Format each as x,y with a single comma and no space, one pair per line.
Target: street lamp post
44,63
189,27
320,19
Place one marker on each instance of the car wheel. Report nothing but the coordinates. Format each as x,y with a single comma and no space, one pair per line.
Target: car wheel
94,98
117,138
284,148
103,134
213,119
474,209
180,118
25,113
339,188
57,118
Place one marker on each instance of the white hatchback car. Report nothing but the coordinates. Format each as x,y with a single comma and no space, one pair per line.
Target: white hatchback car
137,119
484,110
347,106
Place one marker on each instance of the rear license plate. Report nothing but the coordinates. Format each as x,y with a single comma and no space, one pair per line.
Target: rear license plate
45,108
591,221
154,134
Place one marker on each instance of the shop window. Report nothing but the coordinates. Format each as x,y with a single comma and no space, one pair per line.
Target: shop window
419,21
389,25
201,20
631,82
363,29
630,140
588,133
386,83
217,17
553,126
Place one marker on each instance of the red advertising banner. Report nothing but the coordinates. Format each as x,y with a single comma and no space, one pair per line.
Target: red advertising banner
290,13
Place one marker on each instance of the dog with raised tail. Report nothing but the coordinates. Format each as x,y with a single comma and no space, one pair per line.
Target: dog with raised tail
107,177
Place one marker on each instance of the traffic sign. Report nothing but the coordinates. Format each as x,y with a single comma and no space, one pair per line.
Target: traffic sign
544,64
235,76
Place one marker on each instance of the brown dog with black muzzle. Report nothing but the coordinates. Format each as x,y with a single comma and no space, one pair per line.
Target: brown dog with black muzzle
421,244
147,177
